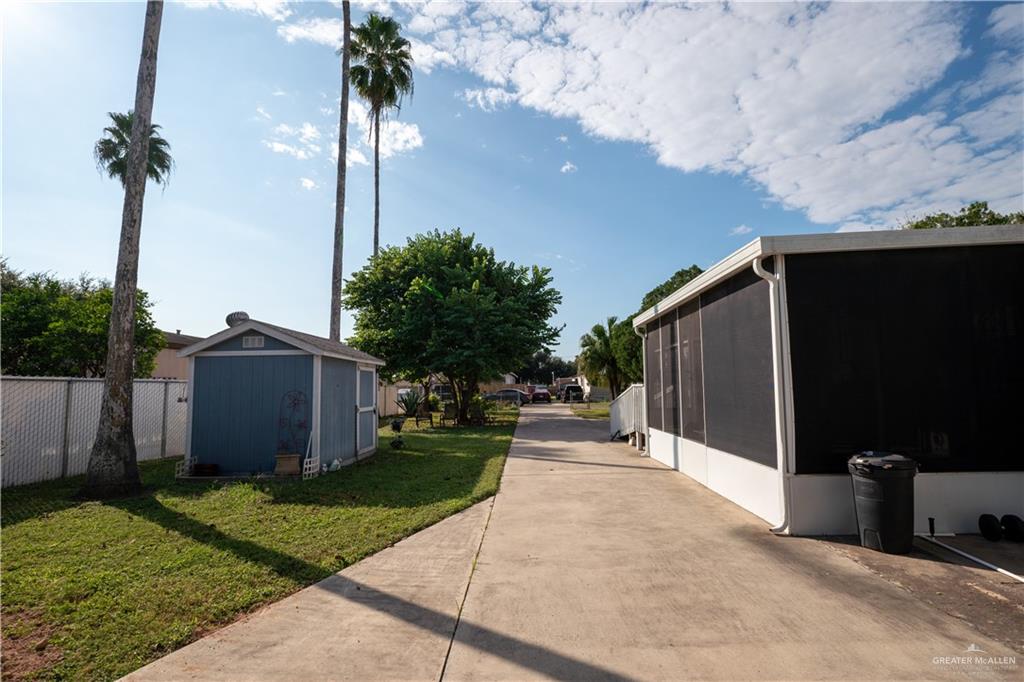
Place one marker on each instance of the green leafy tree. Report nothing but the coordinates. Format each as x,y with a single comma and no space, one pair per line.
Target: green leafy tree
444,304
629,351
977,213
676,281
111,150
597,357
381,75
60,328
542,365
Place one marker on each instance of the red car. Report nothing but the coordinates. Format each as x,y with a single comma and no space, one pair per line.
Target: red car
540,395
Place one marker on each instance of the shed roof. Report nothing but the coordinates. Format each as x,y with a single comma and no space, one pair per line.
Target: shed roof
762,247
314,345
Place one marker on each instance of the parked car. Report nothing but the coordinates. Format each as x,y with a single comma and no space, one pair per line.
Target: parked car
572,393
509,395
540,395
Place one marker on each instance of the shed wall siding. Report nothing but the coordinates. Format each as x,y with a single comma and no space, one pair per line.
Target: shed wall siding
239,416
235,344
337,410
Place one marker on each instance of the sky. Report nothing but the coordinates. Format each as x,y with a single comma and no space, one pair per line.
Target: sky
611,143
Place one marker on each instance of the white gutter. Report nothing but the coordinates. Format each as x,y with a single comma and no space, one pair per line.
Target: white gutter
643,355
778,366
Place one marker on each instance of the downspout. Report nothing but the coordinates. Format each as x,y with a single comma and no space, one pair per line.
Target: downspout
643,407
781,430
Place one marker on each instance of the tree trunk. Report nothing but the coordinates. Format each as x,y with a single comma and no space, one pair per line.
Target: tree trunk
339,197
113,469
376,182
457,399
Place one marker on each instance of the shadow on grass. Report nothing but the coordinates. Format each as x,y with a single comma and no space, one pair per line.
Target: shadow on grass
285,565
35,500
438,464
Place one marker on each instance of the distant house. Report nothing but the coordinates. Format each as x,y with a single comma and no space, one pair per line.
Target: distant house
257,390
510,378
168,364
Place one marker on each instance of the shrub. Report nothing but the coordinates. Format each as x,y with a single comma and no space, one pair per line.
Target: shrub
409,402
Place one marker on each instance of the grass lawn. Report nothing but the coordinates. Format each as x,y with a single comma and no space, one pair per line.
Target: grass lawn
95,590
593,411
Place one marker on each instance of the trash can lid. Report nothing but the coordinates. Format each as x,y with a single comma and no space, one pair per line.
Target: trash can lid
883,460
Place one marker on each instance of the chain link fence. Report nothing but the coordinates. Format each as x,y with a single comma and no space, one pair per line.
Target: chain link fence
48,425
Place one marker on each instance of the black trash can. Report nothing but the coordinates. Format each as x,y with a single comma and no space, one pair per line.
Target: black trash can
883,493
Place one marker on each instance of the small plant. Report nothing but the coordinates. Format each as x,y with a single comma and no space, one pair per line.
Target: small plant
409,402
434,403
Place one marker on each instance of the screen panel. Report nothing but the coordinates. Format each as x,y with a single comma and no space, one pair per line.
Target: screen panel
739,388
691,376
653,378
670,373
916,351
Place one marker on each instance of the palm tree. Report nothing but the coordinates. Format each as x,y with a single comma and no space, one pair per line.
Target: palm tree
111,150
597,357
382,76
113,468
339,197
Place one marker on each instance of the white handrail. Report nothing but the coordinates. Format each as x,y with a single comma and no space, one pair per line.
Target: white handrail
626,413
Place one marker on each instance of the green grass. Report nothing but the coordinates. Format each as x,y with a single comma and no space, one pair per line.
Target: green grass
591,411
95,590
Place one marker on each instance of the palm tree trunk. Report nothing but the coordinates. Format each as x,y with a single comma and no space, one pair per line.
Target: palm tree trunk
113,469
376,182
339,198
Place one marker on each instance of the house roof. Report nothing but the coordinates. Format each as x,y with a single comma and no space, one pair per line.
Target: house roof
314,345
763,247
177,340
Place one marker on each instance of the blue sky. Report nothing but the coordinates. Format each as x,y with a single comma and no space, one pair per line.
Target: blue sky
614,144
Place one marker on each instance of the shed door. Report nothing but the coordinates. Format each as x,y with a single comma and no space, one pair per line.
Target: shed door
366,410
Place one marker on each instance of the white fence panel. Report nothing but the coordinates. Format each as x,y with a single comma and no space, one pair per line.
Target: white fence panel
626,413
49,424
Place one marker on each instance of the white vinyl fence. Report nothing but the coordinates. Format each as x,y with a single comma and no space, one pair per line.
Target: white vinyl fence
49,424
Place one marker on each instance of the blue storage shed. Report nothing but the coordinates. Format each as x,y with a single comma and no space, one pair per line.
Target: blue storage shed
256,390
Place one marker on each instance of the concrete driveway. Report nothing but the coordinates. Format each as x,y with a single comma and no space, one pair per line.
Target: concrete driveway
595,563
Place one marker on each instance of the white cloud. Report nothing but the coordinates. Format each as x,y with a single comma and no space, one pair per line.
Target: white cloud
279,93
326,111
563,139
277,10
318,30
567,167
1006,22
487,99
354,157
425,56
740,230
290,150
799,97
308,183
262,113
328,31
396,136
308,132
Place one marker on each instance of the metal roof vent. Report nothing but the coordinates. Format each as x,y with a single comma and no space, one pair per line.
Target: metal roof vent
236,318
